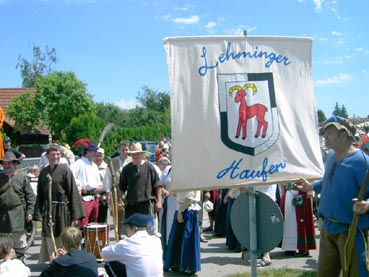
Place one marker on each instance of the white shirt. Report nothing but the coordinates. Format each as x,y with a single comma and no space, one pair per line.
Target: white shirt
234,192
166,177
141,254
86,174
14,268
194,196
103,168
269,190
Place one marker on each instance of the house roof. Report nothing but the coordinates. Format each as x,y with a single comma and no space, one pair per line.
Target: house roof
8,94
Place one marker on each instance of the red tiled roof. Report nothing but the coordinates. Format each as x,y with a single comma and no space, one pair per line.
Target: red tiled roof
7,94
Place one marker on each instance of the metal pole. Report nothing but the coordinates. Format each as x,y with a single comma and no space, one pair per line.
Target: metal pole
253,231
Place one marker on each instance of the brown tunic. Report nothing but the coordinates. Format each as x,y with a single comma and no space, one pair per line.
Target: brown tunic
66,201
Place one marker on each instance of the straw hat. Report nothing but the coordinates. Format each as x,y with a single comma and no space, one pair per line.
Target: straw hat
136,148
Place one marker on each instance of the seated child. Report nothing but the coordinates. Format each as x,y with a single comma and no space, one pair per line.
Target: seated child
10,267
71,261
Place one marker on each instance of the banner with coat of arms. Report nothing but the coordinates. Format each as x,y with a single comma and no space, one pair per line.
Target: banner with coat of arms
243,111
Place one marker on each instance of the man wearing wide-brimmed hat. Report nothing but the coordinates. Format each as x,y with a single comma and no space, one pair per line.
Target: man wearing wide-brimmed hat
16,203
345,169
141,182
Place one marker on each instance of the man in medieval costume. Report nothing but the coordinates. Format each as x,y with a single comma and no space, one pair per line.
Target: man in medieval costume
66,205
16,203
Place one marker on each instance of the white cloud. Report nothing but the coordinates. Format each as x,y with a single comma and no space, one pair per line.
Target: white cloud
185,8
334,33
240,30
187,20
127,105
362,50
331,60
210,25
318,5
337,79
166,17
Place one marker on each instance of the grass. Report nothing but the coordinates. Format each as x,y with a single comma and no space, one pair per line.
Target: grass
281,272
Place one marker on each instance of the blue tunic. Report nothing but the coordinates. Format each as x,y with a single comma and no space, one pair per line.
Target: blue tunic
340,184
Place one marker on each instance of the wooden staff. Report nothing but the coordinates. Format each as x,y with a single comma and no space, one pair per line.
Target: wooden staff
51,223
349,245
114,207
114,201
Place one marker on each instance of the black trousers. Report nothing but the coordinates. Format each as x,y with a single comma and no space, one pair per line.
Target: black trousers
115,269
144,207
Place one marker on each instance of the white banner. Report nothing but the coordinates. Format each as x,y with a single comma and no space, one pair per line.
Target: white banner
243,111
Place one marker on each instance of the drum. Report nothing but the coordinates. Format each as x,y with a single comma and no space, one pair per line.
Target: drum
96,238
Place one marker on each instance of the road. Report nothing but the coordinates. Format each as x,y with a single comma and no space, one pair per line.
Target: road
216,259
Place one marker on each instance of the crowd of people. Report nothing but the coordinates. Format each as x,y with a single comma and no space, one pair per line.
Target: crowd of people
159,230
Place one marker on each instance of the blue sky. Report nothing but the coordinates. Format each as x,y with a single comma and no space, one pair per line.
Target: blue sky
116,46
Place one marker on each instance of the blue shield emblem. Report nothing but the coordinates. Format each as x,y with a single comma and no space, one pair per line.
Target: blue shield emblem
248,112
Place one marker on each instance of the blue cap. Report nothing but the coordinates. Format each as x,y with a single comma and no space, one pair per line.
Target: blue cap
139,220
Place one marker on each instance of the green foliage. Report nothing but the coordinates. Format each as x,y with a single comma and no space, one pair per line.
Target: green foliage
60,98
85,126
150,121
321,116
153,100
40,65
113,114
24,112
340,111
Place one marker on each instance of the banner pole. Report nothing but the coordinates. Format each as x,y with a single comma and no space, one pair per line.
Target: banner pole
253,231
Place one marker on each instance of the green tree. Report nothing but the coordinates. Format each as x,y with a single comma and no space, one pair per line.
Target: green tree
344,112
336,110
113,114
321,116
23,111
153,100
60,97
85,126
155,111
40,65
340,111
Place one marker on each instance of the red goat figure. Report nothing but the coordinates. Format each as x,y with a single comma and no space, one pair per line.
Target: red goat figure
246,112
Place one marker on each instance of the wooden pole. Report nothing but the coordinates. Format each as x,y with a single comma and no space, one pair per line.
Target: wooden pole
349,245
51,223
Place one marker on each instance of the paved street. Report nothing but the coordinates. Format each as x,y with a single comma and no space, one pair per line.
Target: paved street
216,259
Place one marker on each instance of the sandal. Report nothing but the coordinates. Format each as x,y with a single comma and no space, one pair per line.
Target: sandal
264,262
